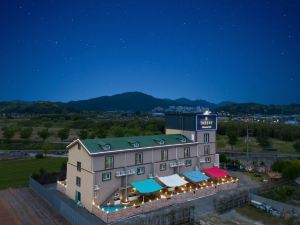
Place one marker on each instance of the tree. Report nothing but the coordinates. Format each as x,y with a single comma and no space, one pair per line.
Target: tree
46,147
8,133
26,132
44,134
262,136
83,134
296,146
223,158
290,169
63,134
232,139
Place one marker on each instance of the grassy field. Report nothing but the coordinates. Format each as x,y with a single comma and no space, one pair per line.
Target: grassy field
15,173
282,146
263,217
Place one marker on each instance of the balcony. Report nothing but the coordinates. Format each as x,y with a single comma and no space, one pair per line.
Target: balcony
122,173
177,164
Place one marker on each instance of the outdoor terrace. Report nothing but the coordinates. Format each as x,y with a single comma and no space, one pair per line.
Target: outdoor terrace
145,203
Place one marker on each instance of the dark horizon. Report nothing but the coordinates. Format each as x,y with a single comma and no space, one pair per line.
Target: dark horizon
216,103
240,51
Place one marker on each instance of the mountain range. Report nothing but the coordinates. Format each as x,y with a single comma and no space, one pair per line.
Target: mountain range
138,101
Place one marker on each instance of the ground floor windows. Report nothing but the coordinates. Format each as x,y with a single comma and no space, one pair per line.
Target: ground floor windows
207,159
106,176
77,196
188,162
140,170
162,166
78,181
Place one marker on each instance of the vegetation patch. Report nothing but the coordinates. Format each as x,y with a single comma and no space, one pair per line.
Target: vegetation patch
263,217
15,173
282,194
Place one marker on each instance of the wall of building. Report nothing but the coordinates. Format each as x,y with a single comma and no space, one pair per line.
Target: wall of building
86,175
151,163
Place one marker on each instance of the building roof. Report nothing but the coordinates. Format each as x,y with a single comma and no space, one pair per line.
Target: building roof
215,172
173,180
195,176
102,145
146,186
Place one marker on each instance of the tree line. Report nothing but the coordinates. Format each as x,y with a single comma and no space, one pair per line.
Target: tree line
262,131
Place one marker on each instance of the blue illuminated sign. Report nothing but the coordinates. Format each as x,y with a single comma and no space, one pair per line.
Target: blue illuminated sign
206,122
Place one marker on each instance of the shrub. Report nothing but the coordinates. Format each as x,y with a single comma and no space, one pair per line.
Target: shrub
39,156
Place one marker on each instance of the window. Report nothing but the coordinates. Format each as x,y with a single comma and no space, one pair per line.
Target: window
140,170
207,159
105,147
78,181
206,138
78,166
206,149
109,162
188,162
183,140
161,142
138,158
136,144
164,154
186,152
162,166
78,146
106,176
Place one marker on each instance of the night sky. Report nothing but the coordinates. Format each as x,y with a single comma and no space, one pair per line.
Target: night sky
243,51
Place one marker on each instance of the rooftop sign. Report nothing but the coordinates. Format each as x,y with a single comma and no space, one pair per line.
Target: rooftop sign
206,122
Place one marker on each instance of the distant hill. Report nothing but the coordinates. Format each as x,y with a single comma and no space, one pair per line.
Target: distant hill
199,102
35,107
129,101
138,101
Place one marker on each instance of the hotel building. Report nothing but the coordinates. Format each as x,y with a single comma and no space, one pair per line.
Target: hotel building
97,169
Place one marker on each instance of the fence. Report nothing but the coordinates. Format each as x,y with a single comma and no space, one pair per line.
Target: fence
280,206
69,213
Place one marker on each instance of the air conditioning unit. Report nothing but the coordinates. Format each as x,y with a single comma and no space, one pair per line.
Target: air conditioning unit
118,173
96,188
172,164
180,163
130,172
202,160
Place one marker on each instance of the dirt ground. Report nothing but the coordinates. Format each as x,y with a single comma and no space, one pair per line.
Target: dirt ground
22,207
